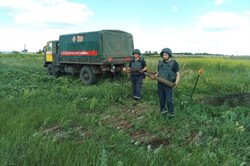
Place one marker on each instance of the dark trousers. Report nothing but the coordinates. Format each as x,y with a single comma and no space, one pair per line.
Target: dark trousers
166,98
137,85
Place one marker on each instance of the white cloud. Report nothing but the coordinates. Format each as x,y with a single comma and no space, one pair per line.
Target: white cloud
216,32
48,12
247,12
15,38
218,2
174,9
222,32
40,21
220,21
169,29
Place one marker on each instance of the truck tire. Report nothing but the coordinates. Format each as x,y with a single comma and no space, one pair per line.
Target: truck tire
52,71
87,76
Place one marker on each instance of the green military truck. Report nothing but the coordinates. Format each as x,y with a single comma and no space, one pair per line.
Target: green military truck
91,54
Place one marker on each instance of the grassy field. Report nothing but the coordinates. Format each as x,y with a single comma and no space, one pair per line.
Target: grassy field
58,121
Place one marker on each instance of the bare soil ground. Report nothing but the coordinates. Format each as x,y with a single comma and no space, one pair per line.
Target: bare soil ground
232,100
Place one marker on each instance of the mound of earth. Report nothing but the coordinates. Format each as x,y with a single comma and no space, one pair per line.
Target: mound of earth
232,100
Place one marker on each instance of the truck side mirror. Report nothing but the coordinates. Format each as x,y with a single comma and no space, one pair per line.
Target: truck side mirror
44,49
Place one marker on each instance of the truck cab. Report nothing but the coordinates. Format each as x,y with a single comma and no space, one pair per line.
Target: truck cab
51,51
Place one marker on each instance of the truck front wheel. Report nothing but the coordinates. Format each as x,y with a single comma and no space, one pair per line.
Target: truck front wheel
87,76
52,71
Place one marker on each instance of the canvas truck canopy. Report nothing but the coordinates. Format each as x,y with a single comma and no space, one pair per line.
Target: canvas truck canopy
116,43
98,44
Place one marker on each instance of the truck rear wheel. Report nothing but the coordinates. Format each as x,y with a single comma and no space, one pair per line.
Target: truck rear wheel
87,76
52,71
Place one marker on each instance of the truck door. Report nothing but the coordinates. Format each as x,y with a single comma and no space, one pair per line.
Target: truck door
51,53
48,53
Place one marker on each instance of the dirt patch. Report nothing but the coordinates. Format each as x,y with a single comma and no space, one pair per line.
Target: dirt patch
137,136
58,133
231,100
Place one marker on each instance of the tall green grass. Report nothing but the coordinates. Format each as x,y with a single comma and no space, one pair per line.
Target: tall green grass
31,102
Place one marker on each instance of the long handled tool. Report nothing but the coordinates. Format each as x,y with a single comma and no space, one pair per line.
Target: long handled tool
199,73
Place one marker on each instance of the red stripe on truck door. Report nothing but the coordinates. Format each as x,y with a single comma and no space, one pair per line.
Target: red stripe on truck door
79,53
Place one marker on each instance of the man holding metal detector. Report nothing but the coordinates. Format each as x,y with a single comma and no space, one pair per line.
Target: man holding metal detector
168,69
137,67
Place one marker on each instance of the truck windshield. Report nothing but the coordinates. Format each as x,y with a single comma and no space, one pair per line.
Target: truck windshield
49,46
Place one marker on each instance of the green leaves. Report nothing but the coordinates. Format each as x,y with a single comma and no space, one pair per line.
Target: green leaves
58,121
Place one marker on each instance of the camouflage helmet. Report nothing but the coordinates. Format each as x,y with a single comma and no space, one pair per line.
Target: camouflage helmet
166,50
136,51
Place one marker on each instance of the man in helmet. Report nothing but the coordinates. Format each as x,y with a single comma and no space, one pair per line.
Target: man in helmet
137,66
169,70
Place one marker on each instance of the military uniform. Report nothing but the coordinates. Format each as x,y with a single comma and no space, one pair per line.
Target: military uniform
167,70
136,76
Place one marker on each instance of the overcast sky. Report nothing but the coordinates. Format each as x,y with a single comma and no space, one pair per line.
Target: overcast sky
211,26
